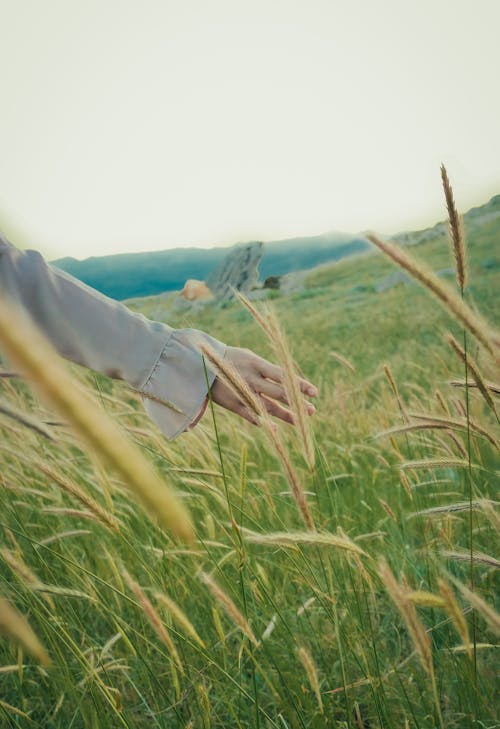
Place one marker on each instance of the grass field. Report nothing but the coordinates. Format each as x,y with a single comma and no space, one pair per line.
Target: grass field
376,618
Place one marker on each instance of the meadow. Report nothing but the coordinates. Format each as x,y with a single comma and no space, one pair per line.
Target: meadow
342,573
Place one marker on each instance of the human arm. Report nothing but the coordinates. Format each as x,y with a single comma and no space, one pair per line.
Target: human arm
162,363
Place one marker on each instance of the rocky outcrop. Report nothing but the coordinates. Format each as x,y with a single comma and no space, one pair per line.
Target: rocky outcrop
238,270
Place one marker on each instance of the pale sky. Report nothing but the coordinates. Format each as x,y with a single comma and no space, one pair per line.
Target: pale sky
129,125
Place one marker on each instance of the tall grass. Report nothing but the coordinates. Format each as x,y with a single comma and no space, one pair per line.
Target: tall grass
361,614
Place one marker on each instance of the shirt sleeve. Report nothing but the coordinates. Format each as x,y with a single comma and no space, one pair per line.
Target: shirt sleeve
88,328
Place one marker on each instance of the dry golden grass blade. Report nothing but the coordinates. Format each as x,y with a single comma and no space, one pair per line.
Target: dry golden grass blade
449,298
273,331
399,595
312,674
233,379
425,599
394,388
342,360
25,346
293,479
15,626
473,368
153,618
293,539
431,463
491,386
477,505
229,607
25,419
456,231
477,558
293,391
456,614
179,616
71,488
436,422
490,615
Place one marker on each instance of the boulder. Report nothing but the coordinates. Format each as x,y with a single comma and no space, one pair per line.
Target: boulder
238,270
196,290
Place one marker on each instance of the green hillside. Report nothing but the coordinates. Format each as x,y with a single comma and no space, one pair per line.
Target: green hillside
306,629
130,275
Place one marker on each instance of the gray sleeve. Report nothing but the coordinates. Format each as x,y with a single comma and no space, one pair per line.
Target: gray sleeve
95,331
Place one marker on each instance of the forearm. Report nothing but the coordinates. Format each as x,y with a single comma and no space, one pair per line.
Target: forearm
98,332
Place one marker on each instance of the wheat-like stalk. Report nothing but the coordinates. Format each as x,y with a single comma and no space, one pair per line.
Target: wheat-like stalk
473,368
292,539
477,558
15,626
489,614
179,616
342,360
71,488
425,599
293,391
153,618
25,346
445,294
456,231
312,674
237,384
406,608
25,419
456,614
229,607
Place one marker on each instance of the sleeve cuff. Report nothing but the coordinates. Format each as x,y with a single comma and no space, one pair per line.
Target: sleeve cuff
175,391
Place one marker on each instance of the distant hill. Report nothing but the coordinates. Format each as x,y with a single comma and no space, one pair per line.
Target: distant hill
130,275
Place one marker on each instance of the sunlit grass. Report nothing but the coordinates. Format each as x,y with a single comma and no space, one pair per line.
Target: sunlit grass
263,623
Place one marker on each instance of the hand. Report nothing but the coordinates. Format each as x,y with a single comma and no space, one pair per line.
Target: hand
265,380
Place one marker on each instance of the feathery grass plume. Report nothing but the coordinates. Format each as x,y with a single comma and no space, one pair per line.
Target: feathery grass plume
272,329
477,558
233,379
153,618
15,626
435,463
25,345
491,386
490,615
455,613
63,535
385,506
312,674
292,539
406,484
229,607
400,596
179,616
259,318
394,388
292,389
456,231
474,370
71,488
438,422
293,480
342,360
442,402
478,504
20,568
25,419
451,301
425,599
